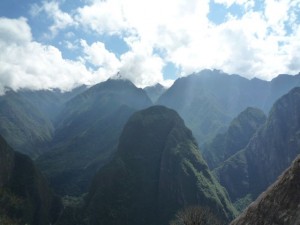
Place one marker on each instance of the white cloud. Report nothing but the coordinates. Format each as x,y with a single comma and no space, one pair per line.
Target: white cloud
142,69
102,16
277,13
259,43
138,65
10,30
60,19
99,56
27,64
246,3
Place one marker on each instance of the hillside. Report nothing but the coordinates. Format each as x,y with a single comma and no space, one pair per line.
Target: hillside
25,197
279,204
157,170
87,133
268,154
209,100
236,137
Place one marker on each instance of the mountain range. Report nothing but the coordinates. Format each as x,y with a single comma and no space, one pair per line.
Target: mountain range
126,161
210,99
157,170
270,151
87,133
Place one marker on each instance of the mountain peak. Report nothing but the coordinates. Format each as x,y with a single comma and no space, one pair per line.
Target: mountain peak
157,170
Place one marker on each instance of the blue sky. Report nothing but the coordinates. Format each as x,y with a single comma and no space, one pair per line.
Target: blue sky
62,44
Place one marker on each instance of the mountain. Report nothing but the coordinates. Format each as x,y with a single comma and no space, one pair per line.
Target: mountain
157,170
87,133
237,136
279,204
210,99
271,150
50,102
24,127
25,197
27,118
154,92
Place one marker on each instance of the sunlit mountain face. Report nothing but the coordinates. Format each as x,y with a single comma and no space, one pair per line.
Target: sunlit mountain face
148,112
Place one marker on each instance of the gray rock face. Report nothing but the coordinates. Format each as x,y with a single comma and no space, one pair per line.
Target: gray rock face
279,205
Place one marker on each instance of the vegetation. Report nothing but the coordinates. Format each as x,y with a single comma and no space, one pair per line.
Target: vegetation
209,100
195,215
237,136
87,134
269,152
157,170
24,194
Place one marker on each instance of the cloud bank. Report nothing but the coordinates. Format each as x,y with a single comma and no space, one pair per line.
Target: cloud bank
262,41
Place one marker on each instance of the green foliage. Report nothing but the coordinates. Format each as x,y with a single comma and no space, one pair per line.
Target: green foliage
195,215
11,208
242,203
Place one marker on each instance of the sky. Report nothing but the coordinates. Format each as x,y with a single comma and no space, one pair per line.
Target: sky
64,44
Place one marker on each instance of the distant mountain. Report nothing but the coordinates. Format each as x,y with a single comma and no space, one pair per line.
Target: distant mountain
279,204
237,136
154,92
25,197
87,133
271,150
50,102
24,127
157,170
209,100
27,118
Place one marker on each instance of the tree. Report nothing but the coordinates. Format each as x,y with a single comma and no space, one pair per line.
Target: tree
195,215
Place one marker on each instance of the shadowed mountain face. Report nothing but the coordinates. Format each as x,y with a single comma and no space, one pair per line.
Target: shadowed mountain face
209,100
270,151
279,204
87,133
25,197
157,170
237,136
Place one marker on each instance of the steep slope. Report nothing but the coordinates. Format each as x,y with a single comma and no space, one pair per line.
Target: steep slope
24,127
50,102
157,170
270,151
27,118
279,204
237,136
25,197
154,92
88,132
209,100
